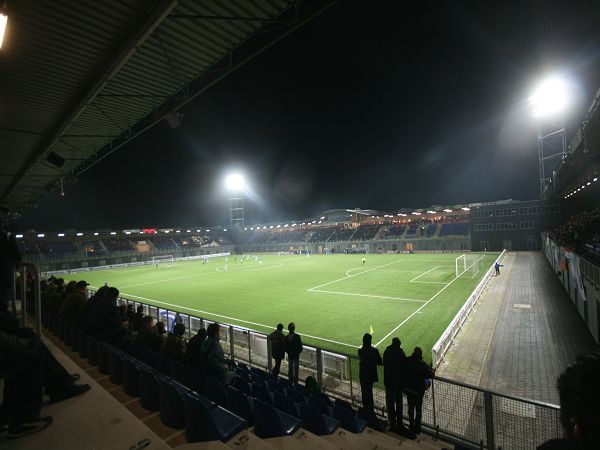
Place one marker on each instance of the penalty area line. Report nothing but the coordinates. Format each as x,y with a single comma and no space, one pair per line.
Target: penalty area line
231,318
368,295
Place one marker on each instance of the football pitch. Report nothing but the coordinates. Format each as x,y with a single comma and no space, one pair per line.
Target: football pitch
333,299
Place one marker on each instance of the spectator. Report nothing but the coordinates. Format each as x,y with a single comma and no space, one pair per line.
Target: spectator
277,339
147,336
53,296
94,299
213,358
394,360
174,345
161,330
193,354
579,394
312,386
417,371
137,318
72,308
293,348
104,322
369,360
9,255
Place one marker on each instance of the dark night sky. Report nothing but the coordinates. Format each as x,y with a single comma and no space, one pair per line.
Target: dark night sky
377,104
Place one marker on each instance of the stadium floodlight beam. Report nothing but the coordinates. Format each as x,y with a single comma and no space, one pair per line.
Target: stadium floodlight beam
236,185
549,102
3,23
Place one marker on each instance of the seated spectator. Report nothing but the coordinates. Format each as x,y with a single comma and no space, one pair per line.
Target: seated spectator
174,345
312,386
137,318
161,329
147,336
73,306
193,356
103,321
213,357
100,294
59,299
579,393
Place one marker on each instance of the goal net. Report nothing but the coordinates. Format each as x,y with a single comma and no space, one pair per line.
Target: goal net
468,265
164,258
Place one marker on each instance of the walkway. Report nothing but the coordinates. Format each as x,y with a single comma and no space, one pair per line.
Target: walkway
522,334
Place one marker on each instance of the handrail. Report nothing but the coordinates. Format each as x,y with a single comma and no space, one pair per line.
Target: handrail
33,268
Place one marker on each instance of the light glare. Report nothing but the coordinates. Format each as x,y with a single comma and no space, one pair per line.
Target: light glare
3,22
550,97
235,182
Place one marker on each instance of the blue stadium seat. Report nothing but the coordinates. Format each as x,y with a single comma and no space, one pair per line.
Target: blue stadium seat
172,413
178,372
324,397
300,389
244,375
131,377
75,339
274,386
260,392
115,365
206,422
67,334
194,379
215,391
343,404
163,364
61,329
243,386
82,344
296,396
103,358
371,419
270,422
285,404
92,351
320,405
317,423
240,404
348,420
149,388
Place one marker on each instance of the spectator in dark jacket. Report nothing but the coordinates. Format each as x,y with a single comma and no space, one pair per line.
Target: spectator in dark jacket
73,306
277,339
104,322
213,358
394,360
369,360
293,348
579,393
174,345
193,356
147,336
137,318
417,371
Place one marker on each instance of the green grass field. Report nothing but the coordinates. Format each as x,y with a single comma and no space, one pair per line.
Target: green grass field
333,299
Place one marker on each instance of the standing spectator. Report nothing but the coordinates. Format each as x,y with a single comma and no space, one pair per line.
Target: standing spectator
293,348
579,394
174,345
394,360
277,339
497,268
417,371
369,360
147,337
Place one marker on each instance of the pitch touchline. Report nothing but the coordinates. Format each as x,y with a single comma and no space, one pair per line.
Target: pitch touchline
419,309
367,295
232,318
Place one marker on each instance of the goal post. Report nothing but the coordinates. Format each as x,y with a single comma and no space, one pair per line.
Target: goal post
468,265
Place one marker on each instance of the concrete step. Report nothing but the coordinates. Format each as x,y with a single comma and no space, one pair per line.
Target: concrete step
302,440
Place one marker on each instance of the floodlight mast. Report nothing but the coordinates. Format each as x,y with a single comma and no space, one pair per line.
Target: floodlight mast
549,102
235,185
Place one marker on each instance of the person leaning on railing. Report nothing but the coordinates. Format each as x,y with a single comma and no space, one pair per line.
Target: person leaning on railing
579,392
415,375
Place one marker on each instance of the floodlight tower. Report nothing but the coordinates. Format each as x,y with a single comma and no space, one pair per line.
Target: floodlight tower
236,184
549,102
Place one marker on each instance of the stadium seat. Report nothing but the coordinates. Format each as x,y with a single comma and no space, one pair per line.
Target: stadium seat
75,339
242,374
300,389
296,396
149,388
324,397
205,421
371,419
115,365
103,358
172,412
240,404
285,404
178,372
194,379
82,344
92,351
274,386
344,404
317,423
348,420
61,329
270,422
131,377
215,391
67,334
163,364
260,392
243,386
320,405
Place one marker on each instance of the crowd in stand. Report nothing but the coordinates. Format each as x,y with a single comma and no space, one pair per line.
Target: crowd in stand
578,230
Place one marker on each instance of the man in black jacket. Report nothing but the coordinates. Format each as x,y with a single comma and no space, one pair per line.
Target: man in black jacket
103,321
277,339
394,360
293,348
369,360
417,371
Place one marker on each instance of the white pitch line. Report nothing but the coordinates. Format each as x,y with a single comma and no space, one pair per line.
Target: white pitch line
429,282
231,318
359,273
368,295
417,311
424,273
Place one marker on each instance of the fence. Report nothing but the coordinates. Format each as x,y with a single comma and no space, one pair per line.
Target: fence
456,411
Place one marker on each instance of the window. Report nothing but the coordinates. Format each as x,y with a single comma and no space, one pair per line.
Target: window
506,212
483,227
527,210
482,214
553,208
506,226
526,225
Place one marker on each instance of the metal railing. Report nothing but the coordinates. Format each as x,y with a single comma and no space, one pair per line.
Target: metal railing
29,296
455,411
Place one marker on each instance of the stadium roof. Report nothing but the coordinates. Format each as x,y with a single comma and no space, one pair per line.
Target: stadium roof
80,79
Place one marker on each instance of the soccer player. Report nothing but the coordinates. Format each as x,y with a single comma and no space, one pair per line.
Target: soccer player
363,261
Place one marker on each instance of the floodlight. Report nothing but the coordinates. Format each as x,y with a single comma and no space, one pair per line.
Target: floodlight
95,234
595,179
235,182
466,209
19,236
41,235
187,231
61,234
113,233
79,234
550,97
3,22
128,232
